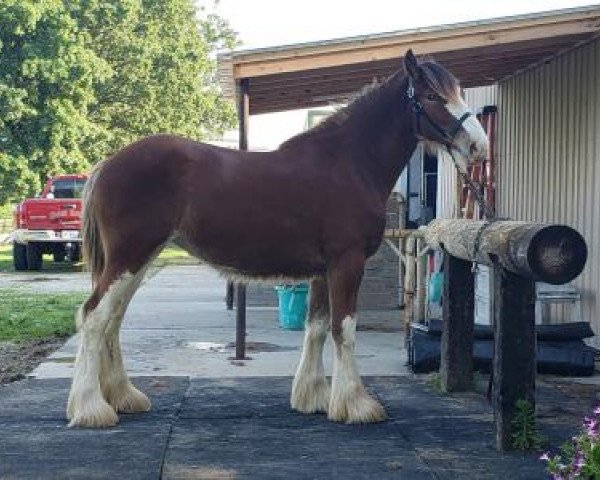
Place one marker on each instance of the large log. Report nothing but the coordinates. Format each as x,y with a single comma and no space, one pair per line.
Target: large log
541,252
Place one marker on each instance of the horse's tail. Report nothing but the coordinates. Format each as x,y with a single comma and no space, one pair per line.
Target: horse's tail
92,248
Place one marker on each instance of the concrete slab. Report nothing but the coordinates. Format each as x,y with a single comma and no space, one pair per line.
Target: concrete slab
47,282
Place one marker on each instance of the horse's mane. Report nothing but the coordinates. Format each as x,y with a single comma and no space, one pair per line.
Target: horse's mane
437,77
440,80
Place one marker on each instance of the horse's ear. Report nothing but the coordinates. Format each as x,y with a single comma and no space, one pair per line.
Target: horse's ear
411,66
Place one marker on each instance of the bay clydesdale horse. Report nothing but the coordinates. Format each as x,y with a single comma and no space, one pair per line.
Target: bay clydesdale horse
312,209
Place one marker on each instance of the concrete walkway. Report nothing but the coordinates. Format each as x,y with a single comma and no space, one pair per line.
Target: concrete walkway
177,325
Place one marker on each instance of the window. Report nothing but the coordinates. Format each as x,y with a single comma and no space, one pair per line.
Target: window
68,188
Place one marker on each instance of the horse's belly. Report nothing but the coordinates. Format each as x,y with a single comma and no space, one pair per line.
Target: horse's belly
257,258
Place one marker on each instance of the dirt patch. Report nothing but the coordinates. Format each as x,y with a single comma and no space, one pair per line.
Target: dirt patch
18,359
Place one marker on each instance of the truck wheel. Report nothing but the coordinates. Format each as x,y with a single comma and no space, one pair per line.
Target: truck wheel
34,256
59,253
76,255
19,256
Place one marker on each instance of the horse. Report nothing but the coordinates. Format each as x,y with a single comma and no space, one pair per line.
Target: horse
312,209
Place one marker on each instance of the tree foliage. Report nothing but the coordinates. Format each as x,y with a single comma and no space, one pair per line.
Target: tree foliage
80,79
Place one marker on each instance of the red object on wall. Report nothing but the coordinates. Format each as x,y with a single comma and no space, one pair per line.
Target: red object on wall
482,173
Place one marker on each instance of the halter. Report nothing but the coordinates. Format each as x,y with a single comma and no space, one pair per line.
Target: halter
447,139
417,108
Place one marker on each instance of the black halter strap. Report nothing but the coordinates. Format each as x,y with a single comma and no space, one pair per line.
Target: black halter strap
447,136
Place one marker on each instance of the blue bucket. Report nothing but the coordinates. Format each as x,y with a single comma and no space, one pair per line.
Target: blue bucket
436,285
292,306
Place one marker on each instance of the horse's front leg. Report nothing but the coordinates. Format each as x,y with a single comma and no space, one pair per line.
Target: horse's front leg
349,401
310,390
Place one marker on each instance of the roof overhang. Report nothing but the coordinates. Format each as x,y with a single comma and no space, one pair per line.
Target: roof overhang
478,53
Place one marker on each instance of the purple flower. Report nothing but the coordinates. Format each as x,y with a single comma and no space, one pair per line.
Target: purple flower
577,464
597,410
592,426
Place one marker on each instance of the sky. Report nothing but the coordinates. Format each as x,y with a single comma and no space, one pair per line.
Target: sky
264,23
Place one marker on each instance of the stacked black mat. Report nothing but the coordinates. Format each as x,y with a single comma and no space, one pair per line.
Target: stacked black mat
560,348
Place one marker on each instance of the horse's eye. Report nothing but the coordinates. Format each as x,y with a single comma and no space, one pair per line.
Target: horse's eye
432,97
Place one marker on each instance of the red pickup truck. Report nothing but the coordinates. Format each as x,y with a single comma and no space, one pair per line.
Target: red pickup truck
49,223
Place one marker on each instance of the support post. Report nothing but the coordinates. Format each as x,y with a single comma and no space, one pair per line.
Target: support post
401,265
229,296
456,362
420,287
514,364
409,284
240,322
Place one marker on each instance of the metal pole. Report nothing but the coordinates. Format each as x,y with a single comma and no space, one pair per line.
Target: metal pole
240,318
240,324
229,296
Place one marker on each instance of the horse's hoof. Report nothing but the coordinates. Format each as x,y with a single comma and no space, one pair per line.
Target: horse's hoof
98,414
357,408
131,400
311,396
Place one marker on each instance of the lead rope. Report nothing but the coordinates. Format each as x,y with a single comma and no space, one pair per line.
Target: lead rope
476,188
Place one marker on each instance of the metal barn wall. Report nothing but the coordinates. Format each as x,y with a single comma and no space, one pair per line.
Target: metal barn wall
477,98
447,189
548,153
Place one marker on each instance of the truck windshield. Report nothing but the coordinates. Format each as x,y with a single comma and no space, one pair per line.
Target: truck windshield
68,188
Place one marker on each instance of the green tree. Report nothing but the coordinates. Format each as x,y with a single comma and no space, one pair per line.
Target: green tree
162,70
80,79
47,84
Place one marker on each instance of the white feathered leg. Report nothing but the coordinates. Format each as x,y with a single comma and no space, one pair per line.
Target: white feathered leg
100,386
116,387
349,401
310,390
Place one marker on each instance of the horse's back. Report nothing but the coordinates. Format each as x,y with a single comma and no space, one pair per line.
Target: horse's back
258,213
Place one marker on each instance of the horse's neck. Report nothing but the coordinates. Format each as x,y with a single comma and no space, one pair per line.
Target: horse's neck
382,138
376,135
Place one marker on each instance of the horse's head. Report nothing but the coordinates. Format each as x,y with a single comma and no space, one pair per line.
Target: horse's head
441,116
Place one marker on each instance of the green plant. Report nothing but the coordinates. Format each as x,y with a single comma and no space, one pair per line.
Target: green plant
525,433
435,382
578,458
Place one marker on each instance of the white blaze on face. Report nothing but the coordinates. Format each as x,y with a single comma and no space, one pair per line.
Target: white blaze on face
471,141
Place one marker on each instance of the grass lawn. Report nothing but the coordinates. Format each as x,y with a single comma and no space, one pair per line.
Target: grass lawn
171,255
27,316
6,262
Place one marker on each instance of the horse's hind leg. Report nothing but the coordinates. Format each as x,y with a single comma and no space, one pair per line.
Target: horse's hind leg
349,401
310,390
116,387
100,385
